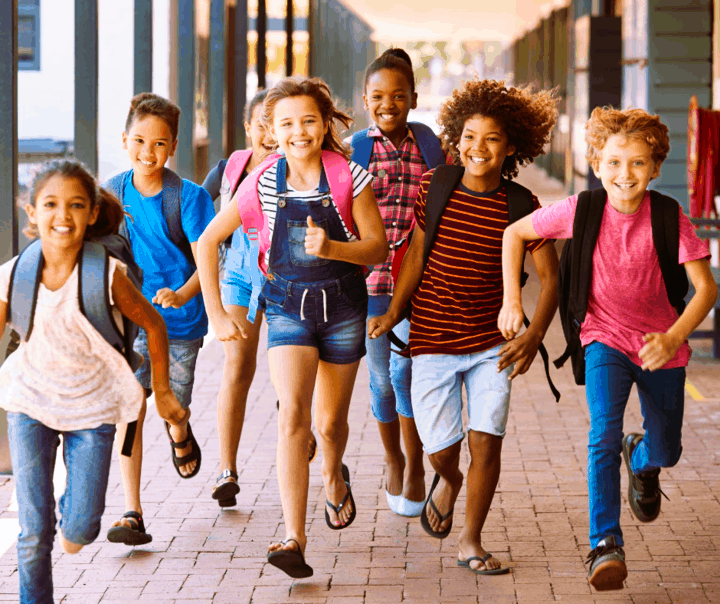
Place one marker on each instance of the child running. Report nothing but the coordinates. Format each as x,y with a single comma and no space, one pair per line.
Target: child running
168,216
396,158
313,222
456,297
631,333
66,379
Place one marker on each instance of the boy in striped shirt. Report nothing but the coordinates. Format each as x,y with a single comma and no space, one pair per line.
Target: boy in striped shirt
456,299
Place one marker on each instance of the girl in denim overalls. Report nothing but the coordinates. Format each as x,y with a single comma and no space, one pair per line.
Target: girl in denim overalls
319,235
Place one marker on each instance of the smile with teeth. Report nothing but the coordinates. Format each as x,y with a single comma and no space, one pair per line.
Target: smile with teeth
147,163
478,160
63,230
300,143
387,116
624,185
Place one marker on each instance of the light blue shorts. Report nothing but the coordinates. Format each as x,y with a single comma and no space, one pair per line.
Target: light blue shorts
235,289
436,395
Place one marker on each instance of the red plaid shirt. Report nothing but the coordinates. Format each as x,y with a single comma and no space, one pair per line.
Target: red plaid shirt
396,184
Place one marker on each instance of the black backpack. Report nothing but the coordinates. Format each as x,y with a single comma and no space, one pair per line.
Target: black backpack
575,270
444,181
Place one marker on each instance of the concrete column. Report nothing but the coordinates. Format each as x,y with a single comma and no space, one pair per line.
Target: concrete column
86,83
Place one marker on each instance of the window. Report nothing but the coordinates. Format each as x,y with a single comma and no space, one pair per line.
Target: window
29,35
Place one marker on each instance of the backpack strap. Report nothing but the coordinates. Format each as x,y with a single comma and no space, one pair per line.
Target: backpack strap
429,144
340,180
362,146
664,217
234,169
116,186
25,281
444,181
172,187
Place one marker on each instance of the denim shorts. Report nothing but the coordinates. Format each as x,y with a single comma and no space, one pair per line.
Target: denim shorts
183,356
300,314
436,393
235,288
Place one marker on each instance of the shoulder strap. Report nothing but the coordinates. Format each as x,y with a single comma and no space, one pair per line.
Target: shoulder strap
362,146
235,167
520,201
93,294
115,185
429,144
444,181
172,212
664,217
340,180
24,285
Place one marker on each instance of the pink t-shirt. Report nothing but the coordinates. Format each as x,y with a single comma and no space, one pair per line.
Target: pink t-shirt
627,297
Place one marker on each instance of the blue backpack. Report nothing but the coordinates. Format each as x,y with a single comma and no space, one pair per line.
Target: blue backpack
93,284
427,140
171,209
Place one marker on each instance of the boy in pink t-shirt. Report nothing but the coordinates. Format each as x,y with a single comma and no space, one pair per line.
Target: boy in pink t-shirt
631,333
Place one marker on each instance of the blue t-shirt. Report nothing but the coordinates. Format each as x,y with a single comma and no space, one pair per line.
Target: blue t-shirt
163,264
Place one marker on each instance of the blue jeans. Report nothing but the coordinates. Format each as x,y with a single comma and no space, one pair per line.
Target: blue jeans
33,448
609,376
390,373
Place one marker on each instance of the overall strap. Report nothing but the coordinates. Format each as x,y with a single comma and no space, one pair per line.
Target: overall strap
444,181
93,294
24,285
429,144
362,146
172,186
664,217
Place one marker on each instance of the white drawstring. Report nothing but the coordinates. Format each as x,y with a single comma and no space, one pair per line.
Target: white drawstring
324,306
302,305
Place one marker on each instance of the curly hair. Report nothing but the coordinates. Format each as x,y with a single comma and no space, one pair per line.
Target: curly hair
319,91
111,213
604,122
527,118
147,103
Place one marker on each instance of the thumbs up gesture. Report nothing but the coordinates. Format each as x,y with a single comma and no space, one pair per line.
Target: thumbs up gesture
316,240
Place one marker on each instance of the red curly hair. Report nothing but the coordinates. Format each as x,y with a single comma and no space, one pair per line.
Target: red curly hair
604,122
526,117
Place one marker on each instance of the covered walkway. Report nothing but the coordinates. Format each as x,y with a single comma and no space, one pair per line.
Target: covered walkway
538,521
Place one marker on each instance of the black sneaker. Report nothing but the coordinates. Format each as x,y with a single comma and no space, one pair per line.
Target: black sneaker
643,489
607,565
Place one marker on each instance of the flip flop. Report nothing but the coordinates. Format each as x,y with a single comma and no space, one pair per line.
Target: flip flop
425,523
225,490
129,535
348,497
194,455
488,571
291,561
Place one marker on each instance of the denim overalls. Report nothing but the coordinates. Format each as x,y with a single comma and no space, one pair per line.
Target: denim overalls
312,301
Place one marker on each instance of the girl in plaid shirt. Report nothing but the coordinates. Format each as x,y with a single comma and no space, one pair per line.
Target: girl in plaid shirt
397,164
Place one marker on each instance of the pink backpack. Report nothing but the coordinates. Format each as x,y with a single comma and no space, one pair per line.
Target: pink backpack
254,221
234,169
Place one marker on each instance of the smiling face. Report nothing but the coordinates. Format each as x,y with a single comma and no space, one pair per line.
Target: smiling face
260,137
626,167
483,148
389,97
298,127
149,144
62,211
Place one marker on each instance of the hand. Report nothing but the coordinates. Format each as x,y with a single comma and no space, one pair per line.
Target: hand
166,298
378,326
510,319
658,350
316,240
225,328
521,351
169,408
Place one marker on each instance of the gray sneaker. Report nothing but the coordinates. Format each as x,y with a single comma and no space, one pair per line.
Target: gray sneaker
607,565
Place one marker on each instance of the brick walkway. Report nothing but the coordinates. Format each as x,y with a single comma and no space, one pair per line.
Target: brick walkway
538,521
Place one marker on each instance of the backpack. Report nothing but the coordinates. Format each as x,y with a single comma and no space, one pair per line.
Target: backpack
575,272
444,181
427,140
172,186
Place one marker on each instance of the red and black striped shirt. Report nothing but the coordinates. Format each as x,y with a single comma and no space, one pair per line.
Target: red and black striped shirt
456,306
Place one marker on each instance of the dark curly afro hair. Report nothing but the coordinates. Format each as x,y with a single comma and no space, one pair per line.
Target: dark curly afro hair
527,118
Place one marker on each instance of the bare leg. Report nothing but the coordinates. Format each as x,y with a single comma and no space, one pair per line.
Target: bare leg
238,374
131,467
482,479
334,389
446,463
414,478
68,546
293,370
394,458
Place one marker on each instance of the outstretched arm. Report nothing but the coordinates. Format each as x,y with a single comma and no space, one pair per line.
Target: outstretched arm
132,304
166,297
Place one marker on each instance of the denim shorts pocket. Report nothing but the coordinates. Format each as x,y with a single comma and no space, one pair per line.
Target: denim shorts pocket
356,292
296,237
274,296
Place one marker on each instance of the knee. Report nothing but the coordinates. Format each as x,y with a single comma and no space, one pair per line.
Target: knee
292,421
239,367
331,429
484,448
445,460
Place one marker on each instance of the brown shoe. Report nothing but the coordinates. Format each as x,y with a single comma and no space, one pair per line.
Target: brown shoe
607,565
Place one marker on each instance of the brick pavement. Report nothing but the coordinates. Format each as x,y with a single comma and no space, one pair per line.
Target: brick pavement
538,521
